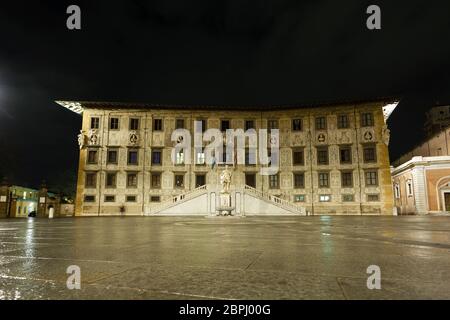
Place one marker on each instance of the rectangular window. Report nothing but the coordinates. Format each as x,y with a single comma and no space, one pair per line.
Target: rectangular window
367,119
132,180
371,178
272,124
91,180
157,125
179,124
157,157
297,125
299,198
324,198
250,180
249,124
298,157
397,191
112,157
92,157
156,180
89,198
347,179
274,181
200,180
111,179
179,181
373,197
155,199
179,158
370,154
110,198
322,156
95,123
342,121
134,124
131,199
114,124
409,188
225,125
200,157
133,157
321,123
299,180
324,179
345,155
203,124
250,156
348,198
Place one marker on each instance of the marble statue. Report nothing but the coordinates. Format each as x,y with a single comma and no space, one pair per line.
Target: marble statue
225,179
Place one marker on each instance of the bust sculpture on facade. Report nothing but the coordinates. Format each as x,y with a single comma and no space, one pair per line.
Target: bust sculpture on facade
225,179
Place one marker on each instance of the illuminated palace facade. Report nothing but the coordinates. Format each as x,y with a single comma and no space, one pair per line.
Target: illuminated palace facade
333,160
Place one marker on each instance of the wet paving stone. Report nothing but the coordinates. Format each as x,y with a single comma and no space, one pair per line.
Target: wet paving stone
249,258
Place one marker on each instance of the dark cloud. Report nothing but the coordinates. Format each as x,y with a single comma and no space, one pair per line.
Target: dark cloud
209,52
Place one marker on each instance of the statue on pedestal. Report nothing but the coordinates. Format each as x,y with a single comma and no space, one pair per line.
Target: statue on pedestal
225,179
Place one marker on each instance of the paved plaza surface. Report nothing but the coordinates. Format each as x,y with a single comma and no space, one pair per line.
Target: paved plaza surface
226,258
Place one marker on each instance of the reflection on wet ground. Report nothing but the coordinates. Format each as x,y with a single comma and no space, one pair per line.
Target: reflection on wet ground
249,258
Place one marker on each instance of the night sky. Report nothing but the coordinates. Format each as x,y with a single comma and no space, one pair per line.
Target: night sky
236,52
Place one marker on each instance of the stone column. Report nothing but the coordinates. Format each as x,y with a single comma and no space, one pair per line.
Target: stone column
42,201
4,199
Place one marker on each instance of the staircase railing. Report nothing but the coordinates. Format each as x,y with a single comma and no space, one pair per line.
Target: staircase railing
183,197
285,204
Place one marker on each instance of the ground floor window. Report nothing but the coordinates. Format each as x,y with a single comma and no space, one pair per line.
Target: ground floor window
89,198
179,181
250,180
324,198
348,198
373,197
110,198
131,198
274,181
200,180
155,199
299,198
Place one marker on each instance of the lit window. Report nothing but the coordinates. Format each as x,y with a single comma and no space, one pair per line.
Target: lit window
179,158
299,198
324,198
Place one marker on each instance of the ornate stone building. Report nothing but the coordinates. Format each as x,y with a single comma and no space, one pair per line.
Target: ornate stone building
333,160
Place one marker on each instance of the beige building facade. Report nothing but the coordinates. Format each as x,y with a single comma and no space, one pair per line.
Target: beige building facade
333,160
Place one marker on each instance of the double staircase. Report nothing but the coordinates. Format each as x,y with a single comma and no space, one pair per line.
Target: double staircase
286,205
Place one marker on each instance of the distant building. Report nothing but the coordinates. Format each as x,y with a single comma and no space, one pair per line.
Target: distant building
19,202
25,201
438,118
421,177
334,159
